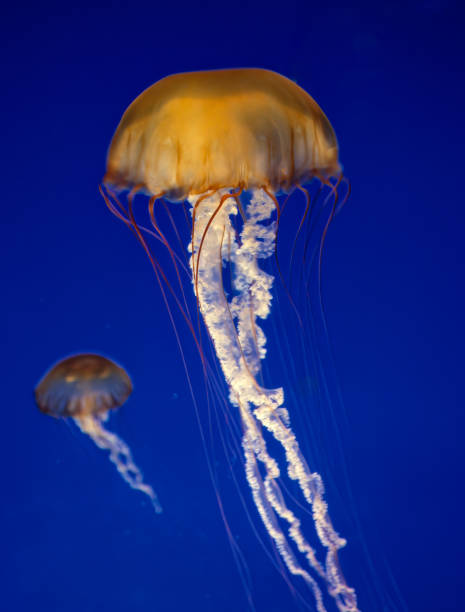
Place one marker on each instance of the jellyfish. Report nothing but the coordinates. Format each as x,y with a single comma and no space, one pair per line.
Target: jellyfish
229,142
86,387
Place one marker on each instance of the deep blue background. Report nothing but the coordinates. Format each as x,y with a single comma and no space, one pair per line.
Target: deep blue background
390,78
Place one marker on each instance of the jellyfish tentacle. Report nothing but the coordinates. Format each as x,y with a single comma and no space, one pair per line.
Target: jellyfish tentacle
240,345
253,441
120,454
312,488
267,513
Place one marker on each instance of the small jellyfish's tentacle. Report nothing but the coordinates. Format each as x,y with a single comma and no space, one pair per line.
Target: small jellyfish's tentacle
120,455
240,345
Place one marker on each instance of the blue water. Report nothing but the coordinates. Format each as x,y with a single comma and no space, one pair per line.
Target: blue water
74,537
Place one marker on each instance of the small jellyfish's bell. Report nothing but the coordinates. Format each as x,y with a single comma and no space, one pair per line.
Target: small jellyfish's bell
86,387
83,384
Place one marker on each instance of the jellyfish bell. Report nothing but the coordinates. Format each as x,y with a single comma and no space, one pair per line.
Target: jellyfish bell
86,387
83,385
228,141
193,132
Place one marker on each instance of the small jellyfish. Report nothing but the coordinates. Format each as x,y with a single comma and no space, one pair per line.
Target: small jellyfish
86,387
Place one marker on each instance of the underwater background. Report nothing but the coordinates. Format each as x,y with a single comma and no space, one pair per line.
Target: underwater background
390,78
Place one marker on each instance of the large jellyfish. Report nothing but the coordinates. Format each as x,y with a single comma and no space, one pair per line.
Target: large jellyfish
229,142
86,387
